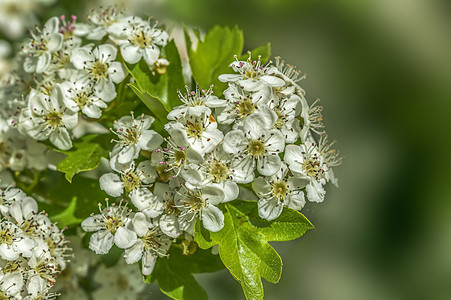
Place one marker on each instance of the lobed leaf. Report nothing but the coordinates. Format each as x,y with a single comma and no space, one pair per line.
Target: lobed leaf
84,156
243,243
213,56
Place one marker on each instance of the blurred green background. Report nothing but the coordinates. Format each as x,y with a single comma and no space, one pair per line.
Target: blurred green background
382,69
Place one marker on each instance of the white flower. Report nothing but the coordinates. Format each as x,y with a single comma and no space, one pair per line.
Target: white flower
252,75
200,131
101,67
305,160
241,103
11,284
290,75
42,272
79,95
310,119
151,243
13,242
173,158
137,39
195,101
136,184
42,45
71,30
286,110
7,197
257,145
110,226
103,20
47,117
278,190
200,201
134,135
216,168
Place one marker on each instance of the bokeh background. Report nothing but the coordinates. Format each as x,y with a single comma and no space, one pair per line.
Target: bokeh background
382,69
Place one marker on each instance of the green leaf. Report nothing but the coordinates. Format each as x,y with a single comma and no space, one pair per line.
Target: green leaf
67,217
175,275
69,202
213,56
243,243
159,91
154,104
263,51
84,156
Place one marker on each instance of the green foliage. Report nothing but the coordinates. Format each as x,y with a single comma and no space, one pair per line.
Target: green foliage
243,243
67,217
84,156
213,56
159,91
68,203
175,275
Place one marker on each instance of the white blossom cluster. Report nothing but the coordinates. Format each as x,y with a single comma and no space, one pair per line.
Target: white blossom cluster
263,133
33,250
61,80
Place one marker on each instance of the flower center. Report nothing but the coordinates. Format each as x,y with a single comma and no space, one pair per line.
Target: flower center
113,223
195,201
163,172
11,267
99,70
194,129
179,157
81,99
245,108
130,136
6,237
150,240
54,118
251,73
312,168
280,119
280,189
141,40
219,171
131,181
256,148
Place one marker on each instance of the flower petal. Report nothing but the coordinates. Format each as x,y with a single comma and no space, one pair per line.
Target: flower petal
212,218
111,184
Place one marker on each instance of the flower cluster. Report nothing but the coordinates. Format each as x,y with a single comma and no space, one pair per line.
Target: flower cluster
32,248
263,133
61,81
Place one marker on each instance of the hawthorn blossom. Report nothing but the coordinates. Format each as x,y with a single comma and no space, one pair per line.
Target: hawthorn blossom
150,244
198,130
277,191
134,135
110,226
135,183
101,68
252,75
195,101
194,201
47,117
258,146
137,39
41,46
